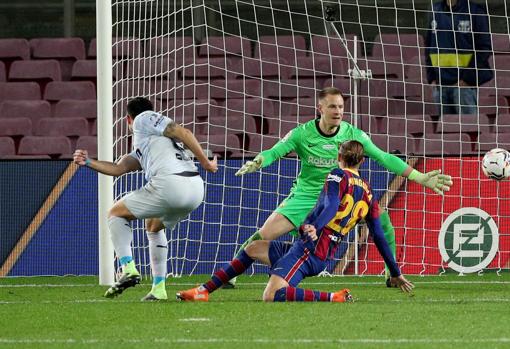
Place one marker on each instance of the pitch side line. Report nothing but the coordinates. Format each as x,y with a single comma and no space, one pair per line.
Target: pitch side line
368,341
171,284
39,218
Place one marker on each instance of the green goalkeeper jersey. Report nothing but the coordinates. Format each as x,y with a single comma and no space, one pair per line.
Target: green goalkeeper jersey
318,153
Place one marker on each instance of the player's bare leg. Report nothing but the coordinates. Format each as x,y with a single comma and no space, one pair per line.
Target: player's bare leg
121,235
275,226
158,252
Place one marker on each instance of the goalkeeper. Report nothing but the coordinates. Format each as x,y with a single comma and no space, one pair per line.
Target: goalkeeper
316,143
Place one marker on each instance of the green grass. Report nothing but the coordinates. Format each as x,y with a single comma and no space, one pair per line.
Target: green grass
444,312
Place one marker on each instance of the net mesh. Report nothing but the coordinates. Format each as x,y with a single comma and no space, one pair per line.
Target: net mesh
241,74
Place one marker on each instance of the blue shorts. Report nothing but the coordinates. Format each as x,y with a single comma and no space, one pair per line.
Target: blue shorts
293,262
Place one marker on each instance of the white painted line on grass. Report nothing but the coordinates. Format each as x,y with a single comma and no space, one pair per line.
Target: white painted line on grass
340,280
195,319
368,341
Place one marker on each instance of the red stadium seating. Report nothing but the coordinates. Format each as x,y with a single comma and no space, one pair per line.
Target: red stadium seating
13,49
500,43
290,89
399,144
258,143
69,126
398,47
58,90
231,89
3,73
84,69
15,127
33,110
41,71
212,67
88,143
263,68
76,108
181,49
256,107
229,125
221,46
19,90
306,106
33,145
7,146
445,144
153,67
488,141
66,50
221,144
121,48
273,48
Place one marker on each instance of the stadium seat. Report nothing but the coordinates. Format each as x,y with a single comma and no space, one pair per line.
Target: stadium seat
224,46
34,145
3,73
229,89
501,124
468,123
273,48
199,109
88,143
445,144
41,71
84,69
33,110
14,49
76,108
179,48
15,126
230,125
121,48
221,144
210,68
344,85
19,90
69,126
66,50
306,106
255,107
493,105
398,47
153,67
262,68
488,141
7,146
500,43
401,144
258,143
289,88
279,127
58,90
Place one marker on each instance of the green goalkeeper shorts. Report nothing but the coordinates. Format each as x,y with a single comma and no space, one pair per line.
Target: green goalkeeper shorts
296,208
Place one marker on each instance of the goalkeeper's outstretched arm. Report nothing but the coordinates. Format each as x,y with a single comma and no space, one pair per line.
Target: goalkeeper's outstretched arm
126,164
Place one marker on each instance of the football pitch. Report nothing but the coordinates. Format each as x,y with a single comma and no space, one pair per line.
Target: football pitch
444,312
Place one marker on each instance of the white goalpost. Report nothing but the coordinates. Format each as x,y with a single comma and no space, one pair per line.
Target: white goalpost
241,74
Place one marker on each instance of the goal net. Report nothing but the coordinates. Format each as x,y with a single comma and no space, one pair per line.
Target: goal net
241,74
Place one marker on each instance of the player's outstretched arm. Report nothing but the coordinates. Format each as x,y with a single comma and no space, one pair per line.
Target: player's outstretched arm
434,180
125,165
402,283
250,166
176,131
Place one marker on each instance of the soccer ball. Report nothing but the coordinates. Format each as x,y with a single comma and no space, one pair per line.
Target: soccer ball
496,164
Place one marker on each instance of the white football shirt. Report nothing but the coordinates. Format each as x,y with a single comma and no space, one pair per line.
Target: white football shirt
155,152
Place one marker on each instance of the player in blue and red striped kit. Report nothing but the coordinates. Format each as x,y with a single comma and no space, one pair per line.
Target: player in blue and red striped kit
345,199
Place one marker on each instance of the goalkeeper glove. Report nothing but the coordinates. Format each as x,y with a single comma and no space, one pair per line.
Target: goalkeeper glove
250,166
434,180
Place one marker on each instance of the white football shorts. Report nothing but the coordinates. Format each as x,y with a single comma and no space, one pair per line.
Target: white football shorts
170,198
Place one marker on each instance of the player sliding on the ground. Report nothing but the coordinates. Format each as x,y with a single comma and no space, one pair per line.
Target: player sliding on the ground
344,200
316,143
174,188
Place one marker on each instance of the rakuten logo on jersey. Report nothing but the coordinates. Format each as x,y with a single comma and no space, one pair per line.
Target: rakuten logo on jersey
320,162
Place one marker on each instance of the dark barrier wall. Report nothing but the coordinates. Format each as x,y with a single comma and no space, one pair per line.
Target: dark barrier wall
66,242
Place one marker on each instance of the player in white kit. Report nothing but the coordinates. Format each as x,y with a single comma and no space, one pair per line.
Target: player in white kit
174,188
